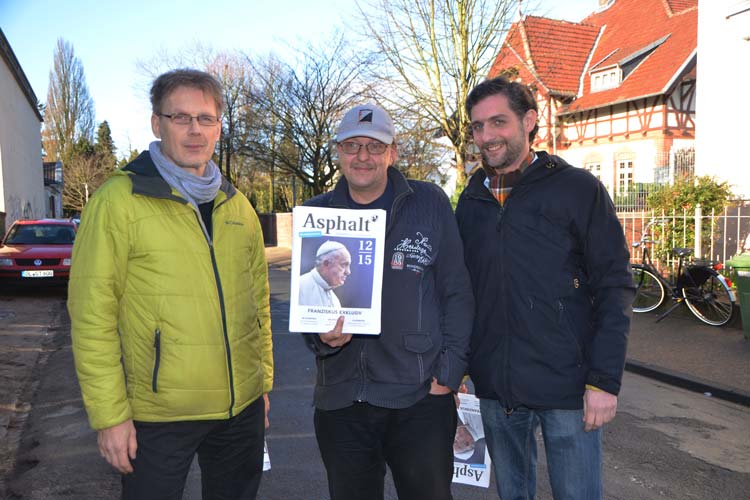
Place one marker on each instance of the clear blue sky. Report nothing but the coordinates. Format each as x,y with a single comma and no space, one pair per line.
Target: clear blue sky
110,37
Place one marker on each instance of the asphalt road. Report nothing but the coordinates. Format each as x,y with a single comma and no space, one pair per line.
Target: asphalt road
666,443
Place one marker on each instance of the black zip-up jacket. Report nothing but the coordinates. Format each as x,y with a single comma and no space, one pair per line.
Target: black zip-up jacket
427,307
551,277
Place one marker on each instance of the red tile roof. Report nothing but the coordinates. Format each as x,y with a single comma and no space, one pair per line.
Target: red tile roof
631,25
678,6
555,52
559,54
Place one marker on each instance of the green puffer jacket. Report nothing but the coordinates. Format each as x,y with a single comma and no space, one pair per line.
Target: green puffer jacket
188,321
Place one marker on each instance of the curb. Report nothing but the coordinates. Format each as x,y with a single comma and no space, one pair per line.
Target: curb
693,384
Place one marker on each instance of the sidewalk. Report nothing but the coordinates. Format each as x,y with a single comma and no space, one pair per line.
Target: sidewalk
278,256
27,328
679,350
683,351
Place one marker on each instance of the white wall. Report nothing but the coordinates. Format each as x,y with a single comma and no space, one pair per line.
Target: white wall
21,176
644,159
722,103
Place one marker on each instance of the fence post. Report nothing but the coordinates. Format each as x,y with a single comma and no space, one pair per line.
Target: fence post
698,220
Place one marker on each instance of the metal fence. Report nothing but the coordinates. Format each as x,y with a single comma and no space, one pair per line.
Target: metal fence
668,167
713,236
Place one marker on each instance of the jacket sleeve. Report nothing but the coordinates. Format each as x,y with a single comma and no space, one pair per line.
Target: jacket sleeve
608,268
456,300
262,299
97,278
317,346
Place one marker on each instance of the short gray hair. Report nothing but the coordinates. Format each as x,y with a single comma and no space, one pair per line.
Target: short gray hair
170,81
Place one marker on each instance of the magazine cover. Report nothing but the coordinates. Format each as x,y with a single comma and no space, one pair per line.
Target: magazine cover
337,269
471,459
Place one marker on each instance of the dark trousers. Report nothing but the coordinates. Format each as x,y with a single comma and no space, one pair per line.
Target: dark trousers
230,455
357,442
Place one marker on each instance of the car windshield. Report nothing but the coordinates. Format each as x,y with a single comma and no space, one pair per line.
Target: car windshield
40,234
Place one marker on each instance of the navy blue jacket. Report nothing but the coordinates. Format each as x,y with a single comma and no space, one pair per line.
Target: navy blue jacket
551,278
427,307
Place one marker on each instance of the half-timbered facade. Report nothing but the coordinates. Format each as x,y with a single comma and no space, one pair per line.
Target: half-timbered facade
616,92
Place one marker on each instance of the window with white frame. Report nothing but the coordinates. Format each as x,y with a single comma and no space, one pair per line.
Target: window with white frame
606,79
595,168
624,175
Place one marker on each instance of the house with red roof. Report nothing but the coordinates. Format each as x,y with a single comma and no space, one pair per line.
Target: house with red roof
616,91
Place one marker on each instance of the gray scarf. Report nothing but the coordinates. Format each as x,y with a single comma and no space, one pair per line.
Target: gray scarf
195,189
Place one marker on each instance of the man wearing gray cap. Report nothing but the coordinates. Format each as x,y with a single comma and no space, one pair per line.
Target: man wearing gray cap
388,400
332,266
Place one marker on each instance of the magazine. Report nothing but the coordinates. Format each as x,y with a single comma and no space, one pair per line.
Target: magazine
471,459
266,457
337,269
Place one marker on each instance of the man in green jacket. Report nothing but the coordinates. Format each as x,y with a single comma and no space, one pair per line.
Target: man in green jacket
169,303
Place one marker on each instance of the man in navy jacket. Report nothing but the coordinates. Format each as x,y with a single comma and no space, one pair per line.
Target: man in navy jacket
550,272
389,399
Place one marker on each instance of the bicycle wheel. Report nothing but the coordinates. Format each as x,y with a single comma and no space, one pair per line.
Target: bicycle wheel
710,299
649,292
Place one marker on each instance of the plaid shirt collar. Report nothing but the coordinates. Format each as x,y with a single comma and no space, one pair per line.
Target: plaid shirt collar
500,185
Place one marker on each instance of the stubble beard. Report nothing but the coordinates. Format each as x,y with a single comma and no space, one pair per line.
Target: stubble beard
513,151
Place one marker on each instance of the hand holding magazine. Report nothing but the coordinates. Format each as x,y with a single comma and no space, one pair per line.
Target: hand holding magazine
337,269
471,459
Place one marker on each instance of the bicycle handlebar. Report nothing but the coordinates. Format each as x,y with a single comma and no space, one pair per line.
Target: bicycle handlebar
645,240
645,237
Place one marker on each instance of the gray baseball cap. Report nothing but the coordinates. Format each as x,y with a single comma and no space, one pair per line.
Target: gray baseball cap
367,120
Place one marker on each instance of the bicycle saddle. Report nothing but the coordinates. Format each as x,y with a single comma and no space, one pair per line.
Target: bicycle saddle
682,252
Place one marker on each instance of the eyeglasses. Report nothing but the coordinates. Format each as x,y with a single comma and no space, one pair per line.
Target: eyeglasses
186,119
352,148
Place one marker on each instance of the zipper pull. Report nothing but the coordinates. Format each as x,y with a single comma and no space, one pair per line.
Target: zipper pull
500,216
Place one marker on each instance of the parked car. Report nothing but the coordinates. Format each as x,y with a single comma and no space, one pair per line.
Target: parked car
37,251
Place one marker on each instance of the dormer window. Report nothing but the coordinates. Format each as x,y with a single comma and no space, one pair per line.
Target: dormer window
607,74
607,78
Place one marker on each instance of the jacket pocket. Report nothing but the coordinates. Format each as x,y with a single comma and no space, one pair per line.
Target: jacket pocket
405,357
567,327
417,342
157,359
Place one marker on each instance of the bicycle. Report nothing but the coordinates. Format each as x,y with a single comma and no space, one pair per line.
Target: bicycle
706,292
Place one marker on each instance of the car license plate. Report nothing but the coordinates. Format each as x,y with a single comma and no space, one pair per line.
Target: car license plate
46,273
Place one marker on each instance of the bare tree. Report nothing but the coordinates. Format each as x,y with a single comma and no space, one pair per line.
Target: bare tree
232,71
266,135
422,154
433,53
85,170
298,107
69,111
